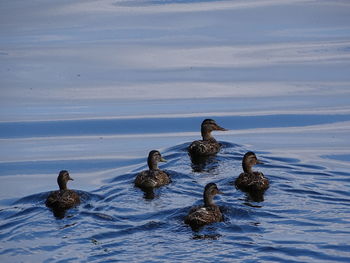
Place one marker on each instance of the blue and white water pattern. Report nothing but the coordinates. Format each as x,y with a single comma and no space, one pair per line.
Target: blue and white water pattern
92,86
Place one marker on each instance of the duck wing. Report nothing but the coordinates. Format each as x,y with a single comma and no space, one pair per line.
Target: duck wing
204,148
200,216
152,179
255,181
63,199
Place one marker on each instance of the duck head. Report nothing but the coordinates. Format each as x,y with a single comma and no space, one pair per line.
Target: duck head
209,125
154,157
210,191
249,160
62,179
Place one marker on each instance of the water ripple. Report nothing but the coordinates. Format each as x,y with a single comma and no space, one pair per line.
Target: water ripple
118,213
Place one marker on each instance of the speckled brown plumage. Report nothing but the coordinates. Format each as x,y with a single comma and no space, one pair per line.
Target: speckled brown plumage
63,198
208,145
204,148
250,181
154,177
208,213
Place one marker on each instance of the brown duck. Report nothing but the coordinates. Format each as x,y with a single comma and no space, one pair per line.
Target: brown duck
208,145
63,198
209,212
250,181
154,177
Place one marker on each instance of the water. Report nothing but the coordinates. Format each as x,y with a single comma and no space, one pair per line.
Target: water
92,87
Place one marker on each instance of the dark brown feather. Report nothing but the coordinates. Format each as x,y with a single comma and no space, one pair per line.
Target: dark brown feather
204,148
209,212
200,216
63,199
252,182
208,145
152,179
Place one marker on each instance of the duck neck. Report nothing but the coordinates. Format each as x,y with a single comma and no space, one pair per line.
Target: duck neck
152,164
62,185
208,200
206,135
247,168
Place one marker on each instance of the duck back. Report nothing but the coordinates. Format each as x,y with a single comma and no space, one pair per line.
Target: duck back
62,199
200,216
152,179
252,182
204,148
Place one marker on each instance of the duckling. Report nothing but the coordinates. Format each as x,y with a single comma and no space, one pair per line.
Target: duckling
250,181
64,198
209,213
154,177
208,146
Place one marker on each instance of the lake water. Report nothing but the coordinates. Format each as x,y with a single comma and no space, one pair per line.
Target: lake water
93,86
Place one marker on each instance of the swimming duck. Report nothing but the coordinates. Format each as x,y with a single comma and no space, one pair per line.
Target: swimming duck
209,212
154,177
250,181
63,198
207,146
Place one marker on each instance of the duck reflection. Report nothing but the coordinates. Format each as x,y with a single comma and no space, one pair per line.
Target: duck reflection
254,197
207,164
59,213
206,236
148,193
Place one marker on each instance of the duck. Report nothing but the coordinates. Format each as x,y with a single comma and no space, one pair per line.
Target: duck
208,145
251,181
64,198
209,212
153,177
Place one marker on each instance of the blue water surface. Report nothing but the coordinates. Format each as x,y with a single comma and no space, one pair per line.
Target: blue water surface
93,86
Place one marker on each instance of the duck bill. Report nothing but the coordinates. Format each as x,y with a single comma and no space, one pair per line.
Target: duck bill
219,128
70,178
220,192
259,162
163,160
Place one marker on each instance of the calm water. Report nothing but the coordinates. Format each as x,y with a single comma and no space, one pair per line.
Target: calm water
93,86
